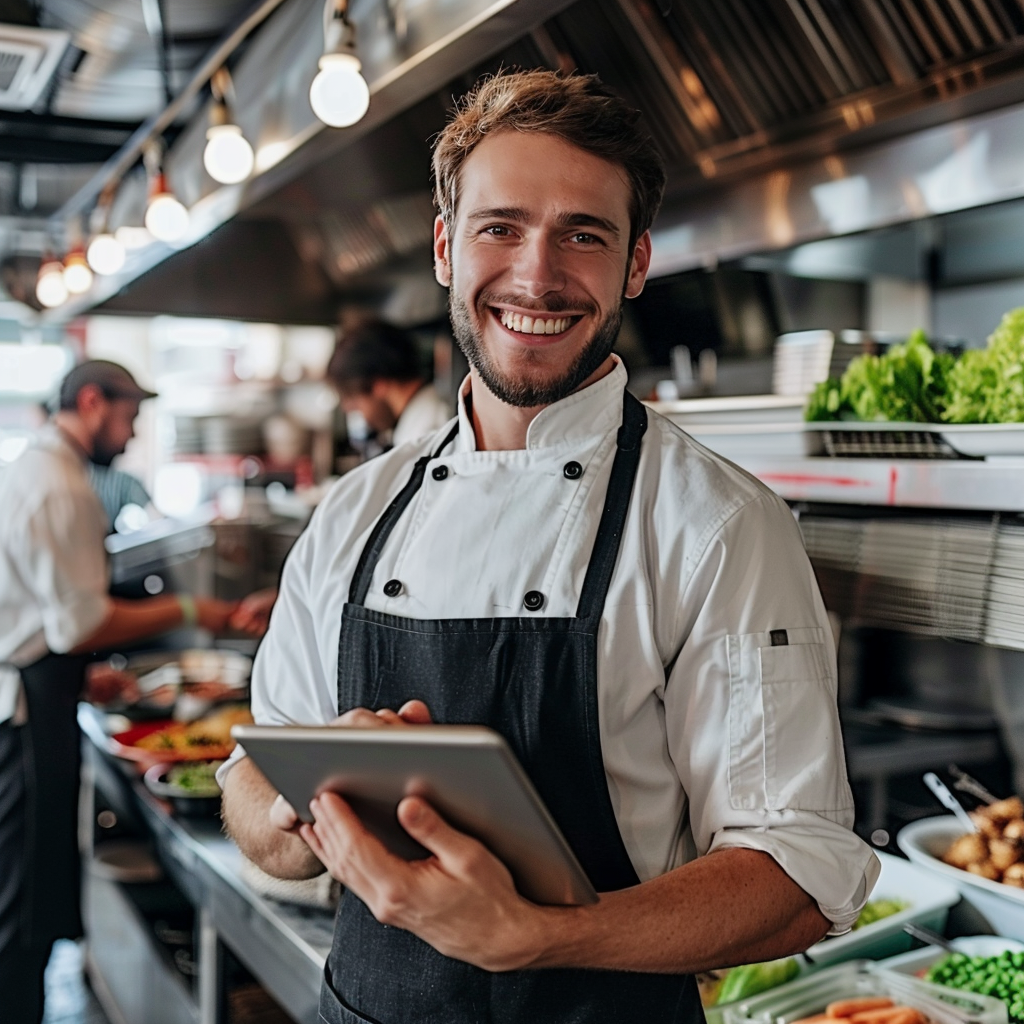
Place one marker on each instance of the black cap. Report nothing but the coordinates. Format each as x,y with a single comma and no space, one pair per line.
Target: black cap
113,380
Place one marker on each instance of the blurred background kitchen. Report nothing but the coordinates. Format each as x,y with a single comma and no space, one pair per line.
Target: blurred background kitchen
212,193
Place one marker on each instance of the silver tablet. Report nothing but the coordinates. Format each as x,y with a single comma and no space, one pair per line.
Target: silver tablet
467,772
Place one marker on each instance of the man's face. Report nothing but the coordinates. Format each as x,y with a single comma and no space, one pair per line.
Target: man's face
537,264
377,413
114,429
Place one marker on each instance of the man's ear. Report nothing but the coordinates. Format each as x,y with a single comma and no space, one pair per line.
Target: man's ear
442,260
89,399
638,267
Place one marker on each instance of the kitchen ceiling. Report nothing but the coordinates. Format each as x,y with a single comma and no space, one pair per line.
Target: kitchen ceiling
730,89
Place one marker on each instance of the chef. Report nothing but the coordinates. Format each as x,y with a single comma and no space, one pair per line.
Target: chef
378,373
633,613
54,609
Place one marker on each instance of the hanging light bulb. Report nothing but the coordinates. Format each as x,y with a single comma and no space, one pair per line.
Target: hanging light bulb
166,219
106,255
51,291
228,157
132,236
339,94
77,275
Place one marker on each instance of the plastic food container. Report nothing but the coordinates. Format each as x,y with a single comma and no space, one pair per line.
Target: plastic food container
926,840
808,996
972,945
929,897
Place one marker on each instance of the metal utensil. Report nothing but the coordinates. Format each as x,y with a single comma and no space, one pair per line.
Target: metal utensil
927,935
950,802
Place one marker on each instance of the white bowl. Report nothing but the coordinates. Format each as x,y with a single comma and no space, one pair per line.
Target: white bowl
929,899
926,840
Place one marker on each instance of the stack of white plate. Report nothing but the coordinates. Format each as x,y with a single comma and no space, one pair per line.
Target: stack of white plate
1004,626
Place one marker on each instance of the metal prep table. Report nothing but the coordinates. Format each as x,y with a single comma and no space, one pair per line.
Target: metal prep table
282,945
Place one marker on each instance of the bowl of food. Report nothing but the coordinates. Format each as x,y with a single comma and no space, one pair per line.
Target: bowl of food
904,894
986,866
168,742
189,787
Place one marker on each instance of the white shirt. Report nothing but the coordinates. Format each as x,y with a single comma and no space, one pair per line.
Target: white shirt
424,413
711,736
53,565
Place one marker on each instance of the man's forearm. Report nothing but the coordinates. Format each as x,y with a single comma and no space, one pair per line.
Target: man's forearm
735,906
133,620
246,810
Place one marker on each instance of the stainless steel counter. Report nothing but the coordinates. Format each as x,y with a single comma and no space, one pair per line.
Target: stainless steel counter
284,946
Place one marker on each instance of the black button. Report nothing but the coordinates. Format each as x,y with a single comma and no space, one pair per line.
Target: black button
439,473
534,601
572,471
393,588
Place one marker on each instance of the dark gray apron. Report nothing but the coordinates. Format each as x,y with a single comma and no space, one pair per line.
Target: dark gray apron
40,871
534,680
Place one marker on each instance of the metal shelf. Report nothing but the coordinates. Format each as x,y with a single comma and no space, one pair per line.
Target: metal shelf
993,485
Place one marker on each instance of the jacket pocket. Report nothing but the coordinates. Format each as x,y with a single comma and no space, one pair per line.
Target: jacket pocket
334,1010
785,747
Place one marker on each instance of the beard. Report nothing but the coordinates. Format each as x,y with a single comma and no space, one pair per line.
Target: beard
524,389
102,455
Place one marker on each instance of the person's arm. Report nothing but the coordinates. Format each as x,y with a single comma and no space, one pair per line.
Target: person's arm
133,620
732,907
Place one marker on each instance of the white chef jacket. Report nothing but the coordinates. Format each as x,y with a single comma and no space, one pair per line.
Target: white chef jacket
424,413
711,736
53,565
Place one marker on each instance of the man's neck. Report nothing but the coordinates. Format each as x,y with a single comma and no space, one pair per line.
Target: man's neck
502,427
75,431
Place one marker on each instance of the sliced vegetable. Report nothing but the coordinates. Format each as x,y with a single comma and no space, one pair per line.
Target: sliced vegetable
848,1007
1001,976
876,910
748,980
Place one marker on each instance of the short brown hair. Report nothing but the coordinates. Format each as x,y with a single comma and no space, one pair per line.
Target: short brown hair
575,108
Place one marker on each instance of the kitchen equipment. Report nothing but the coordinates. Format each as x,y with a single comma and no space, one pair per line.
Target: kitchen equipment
926,935
929,899
950,802
183,801
925,841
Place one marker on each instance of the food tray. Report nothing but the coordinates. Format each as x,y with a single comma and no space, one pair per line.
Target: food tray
929,897
926,840
850,439
971,945
808,996
122,744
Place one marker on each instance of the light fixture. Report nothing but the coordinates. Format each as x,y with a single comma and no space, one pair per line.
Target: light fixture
166,219
106,254
339,94
51,291
228,157
133,236
77,275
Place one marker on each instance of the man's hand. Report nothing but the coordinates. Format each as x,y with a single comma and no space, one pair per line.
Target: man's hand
414,712
252,616
461,900
214,615
103,684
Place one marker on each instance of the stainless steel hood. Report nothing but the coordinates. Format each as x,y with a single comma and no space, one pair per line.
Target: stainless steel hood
780,120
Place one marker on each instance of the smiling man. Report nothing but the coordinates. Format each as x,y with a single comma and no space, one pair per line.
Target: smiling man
634,614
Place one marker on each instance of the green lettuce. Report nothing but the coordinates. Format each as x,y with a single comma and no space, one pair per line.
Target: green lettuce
987,385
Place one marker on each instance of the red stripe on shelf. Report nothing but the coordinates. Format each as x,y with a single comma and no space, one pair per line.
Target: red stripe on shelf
813,478
892,485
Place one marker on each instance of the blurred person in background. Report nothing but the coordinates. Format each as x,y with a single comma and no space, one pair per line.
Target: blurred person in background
379,374
119,491
54,611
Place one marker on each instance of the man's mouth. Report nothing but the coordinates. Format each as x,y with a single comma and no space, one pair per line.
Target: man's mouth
538,323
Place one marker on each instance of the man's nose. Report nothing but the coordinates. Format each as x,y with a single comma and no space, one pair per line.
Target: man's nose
538,267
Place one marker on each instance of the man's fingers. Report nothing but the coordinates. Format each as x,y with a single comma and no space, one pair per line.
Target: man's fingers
360,718
454,849
282,814
415,712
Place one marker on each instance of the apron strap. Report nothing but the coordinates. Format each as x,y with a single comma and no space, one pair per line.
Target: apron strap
616,507
363,575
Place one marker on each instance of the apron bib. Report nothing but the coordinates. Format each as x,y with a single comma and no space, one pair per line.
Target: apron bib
534,680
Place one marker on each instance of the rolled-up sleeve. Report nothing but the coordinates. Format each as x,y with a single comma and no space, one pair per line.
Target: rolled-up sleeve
62,560
750,707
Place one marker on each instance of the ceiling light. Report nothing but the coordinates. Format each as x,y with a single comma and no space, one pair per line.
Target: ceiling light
77,275
166,218
106,254
228,157
51,290
339,94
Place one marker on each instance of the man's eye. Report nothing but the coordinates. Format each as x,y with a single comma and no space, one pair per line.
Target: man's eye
497,230
584,238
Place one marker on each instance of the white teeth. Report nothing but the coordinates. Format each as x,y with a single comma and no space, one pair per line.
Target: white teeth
534,324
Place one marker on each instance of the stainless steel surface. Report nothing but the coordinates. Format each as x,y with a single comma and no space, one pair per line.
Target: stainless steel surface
282,945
